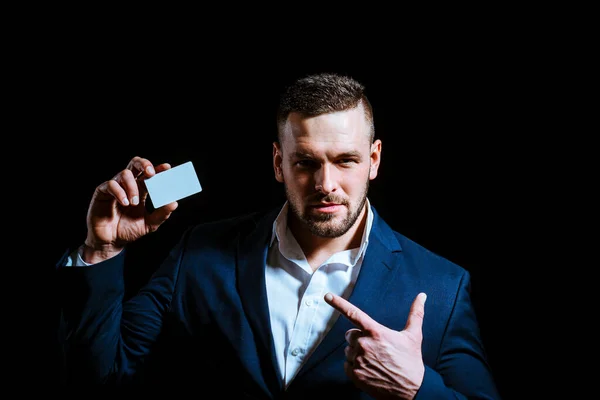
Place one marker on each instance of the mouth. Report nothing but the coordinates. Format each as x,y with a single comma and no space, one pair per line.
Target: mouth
327,207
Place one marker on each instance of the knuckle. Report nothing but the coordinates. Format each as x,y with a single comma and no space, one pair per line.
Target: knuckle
352,313
420,313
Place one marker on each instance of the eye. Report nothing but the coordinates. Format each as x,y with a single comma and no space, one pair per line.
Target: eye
306,163
346,161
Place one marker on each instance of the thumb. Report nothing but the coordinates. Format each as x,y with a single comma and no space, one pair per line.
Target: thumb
414,323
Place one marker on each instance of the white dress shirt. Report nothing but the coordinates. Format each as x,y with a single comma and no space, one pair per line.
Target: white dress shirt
300,317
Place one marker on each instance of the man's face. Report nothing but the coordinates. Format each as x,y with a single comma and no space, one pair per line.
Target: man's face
326,163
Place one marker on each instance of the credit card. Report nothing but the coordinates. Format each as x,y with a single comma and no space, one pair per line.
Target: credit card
173,184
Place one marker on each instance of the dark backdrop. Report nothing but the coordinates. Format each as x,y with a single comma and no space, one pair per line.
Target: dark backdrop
454,124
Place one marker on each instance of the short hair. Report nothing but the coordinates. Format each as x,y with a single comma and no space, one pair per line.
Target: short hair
323,93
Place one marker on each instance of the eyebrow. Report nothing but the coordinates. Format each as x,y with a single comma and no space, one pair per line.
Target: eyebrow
348,154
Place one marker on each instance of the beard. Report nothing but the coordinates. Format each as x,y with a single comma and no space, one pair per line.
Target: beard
325,224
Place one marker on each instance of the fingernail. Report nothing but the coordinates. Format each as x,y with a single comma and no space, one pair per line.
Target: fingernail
150,170
135,200
328,297
125,201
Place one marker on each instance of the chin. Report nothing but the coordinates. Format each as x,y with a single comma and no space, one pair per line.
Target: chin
329,229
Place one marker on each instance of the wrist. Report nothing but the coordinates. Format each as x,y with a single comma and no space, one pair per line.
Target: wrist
93,254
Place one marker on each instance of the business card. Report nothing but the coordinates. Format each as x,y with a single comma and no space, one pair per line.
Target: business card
173,184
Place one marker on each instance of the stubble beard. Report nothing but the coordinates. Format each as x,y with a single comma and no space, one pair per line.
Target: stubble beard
324,224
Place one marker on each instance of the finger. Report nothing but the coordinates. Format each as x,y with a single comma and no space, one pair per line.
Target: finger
350,353
160,215
127,181
116,187
416,314
139,166
350,311
149,171
162,167
352,336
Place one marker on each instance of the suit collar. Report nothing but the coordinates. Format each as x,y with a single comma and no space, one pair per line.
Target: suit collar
384,233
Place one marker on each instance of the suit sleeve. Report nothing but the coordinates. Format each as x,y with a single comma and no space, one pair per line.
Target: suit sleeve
462,370
106,339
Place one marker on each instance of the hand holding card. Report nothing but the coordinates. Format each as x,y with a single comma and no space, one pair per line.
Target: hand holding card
173,184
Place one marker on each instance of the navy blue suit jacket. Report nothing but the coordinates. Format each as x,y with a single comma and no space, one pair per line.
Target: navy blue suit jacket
202,320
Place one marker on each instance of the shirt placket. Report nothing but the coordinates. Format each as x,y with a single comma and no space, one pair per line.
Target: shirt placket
303,328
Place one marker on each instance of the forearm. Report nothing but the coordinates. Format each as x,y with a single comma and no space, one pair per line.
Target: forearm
91,303
106,339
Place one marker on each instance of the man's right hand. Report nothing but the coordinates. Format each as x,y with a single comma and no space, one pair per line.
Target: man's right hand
117,213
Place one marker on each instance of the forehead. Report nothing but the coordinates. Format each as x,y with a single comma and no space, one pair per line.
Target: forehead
341,131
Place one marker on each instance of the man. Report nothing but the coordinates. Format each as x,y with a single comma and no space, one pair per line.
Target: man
250,306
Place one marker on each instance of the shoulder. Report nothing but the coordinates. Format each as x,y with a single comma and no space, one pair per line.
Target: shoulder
412,253
229,230
418,254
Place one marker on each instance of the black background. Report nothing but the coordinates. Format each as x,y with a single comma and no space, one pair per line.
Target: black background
460,161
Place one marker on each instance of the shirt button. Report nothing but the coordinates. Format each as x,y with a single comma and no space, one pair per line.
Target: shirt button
295,352
308,303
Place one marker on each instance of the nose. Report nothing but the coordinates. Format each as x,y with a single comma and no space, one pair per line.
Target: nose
325,179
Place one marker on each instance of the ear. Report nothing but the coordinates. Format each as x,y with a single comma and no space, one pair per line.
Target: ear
375,159
277,161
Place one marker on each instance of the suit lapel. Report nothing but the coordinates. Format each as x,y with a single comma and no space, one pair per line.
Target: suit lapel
252,254
370,289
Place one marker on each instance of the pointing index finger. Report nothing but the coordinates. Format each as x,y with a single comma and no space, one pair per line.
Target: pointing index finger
354,314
